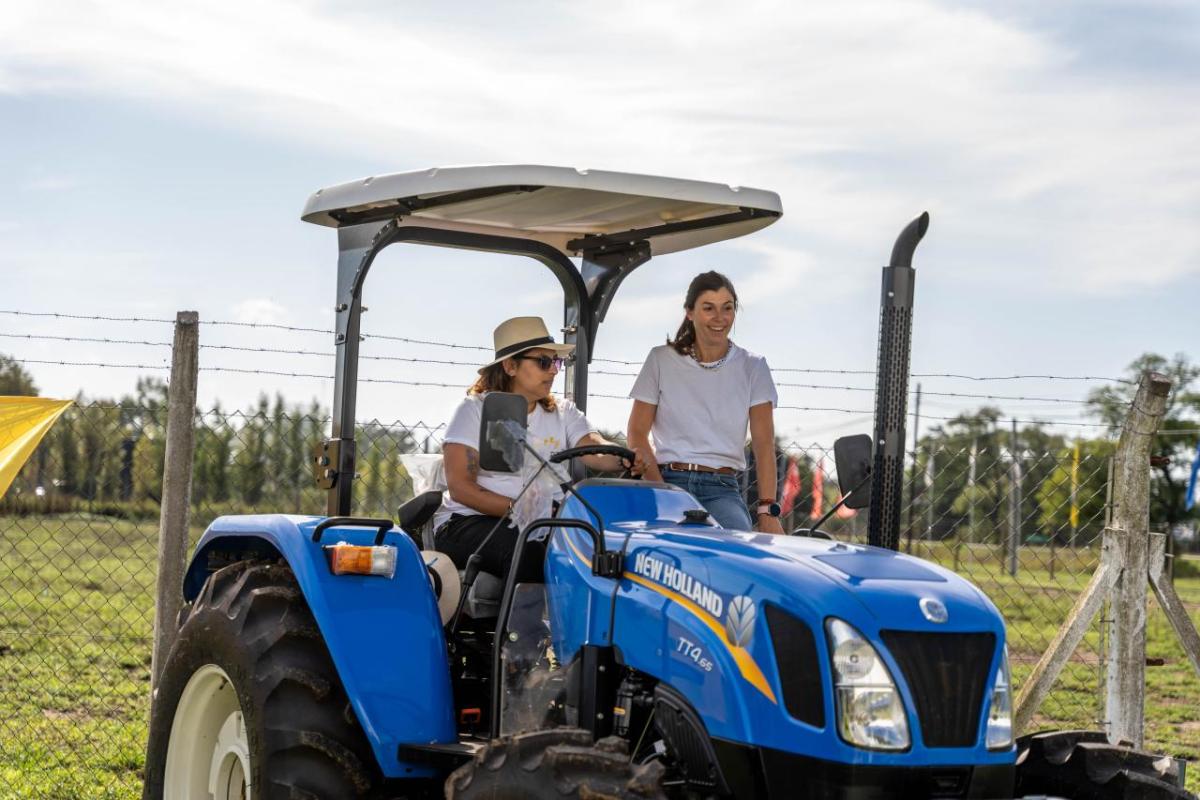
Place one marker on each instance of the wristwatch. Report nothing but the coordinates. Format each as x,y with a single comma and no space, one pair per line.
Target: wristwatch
768,507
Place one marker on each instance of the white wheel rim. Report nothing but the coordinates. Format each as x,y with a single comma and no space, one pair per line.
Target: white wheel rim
208,754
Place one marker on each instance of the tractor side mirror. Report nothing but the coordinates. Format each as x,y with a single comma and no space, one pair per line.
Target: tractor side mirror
502,432
854,460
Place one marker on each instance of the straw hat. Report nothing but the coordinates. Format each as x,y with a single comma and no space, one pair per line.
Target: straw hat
446,583
516,335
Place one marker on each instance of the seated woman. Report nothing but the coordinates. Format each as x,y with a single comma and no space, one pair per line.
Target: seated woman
525,363
697,394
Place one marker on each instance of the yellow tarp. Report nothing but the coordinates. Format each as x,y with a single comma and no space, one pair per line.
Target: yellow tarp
23,423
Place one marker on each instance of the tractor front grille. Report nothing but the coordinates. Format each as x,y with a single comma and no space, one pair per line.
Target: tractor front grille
799,672
947,674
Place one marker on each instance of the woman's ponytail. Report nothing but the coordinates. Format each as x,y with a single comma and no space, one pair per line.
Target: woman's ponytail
685,337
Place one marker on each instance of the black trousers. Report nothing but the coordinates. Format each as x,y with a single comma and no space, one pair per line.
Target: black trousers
462,534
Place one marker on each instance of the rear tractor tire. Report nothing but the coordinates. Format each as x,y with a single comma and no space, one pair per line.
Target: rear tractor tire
1082,765
552,764
249,704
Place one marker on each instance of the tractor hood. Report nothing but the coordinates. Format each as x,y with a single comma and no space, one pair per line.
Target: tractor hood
829,578
736,621
823,577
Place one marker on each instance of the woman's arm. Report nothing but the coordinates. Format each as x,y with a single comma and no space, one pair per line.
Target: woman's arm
641,418
762,440
462,478
608,463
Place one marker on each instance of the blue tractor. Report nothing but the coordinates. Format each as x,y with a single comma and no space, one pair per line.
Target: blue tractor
663,656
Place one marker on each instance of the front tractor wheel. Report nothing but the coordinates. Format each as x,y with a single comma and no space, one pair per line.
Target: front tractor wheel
554,764
1082,765
208,754
249,706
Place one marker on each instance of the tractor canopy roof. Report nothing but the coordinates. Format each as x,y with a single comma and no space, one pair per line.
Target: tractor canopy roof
574,211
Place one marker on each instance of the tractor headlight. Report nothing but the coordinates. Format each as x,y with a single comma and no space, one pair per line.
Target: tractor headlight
999,726
870,712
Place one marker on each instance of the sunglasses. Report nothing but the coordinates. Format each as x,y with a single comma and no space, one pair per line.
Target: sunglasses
545,362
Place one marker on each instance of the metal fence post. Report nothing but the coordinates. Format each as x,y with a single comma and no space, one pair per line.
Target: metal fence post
1014,505
1126,682
177,486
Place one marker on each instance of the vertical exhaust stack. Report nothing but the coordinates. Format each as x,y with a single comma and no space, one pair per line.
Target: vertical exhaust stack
891,387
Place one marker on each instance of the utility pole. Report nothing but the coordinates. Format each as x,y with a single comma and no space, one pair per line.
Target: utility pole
1074,518
930,472
1014,524
972,537
912,476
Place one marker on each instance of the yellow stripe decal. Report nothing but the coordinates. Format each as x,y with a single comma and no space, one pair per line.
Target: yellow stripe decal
746,663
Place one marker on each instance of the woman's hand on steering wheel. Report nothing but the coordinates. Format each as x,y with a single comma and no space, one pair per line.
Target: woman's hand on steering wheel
638,468
633,461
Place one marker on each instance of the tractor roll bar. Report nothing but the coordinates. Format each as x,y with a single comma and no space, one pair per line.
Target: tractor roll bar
585,299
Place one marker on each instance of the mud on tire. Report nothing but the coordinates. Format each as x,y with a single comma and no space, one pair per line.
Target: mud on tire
251,620
553,764
1082,765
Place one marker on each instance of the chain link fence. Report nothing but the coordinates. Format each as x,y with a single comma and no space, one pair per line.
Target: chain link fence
78,551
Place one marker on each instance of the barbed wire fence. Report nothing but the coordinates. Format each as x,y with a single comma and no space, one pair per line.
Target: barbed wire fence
1020,516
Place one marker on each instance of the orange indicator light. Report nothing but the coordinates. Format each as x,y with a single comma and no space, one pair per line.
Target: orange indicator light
347,559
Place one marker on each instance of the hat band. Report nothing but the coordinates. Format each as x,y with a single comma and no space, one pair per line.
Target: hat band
505,352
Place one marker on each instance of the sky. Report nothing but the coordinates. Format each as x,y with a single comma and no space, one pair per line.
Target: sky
155,157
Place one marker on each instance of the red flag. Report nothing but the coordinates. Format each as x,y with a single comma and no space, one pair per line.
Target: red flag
791,486
818,489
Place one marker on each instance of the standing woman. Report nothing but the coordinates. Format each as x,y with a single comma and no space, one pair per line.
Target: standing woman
696,395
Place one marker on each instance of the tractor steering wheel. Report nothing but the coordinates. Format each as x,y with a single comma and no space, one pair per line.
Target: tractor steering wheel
624,453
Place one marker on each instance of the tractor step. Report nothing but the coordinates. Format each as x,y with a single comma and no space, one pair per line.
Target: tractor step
441,756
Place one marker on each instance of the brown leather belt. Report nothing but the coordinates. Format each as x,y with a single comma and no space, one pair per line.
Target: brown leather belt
679,466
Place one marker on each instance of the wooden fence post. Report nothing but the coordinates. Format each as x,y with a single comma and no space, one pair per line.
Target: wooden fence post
1126,684
1125,573
1037,685
177,487
1170,603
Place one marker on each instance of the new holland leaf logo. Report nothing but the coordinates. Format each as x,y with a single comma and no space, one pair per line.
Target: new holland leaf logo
739,624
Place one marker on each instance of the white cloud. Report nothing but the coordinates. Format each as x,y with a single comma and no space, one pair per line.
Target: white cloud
261,311
860,115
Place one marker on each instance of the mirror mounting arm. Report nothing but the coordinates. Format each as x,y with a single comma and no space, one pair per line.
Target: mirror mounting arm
865,480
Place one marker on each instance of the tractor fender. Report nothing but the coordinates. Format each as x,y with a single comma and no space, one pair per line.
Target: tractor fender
384,634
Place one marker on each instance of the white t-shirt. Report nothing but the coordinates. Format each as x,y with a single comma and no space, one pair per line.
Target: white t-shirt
703,414
547,433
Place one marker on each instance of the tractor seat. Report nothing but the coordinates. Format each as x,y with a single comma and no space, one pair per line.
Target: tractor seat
483,601
417,513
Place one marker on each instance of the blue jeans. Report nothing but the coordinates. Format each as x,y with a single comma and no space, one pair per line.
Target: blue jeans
720,494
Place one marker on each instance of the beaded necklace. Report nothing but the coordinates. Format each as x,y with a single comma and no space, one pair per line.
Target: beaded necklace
711,365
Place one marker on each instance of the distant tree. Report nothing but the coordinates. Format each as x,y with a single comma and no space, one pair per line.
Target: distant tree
976,444
250,461
1168,484
214,455
66,450
951,500
14,380
144,424
100,436
1053,494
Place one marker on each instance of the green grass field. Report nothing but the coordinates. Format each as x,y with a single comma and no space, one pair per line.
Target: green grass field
76,621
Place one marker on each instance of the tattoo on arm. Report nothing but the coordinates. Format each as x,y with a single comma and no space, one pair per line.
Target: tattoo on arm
472,464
